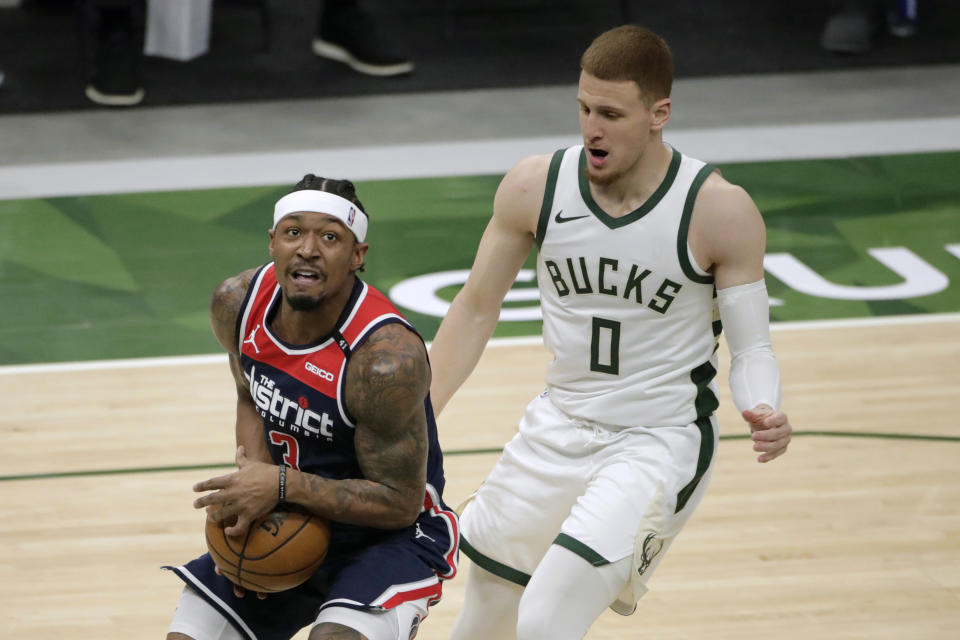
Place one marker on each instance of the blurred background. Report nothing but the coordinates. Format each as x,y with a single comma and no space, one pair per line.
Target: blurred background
260,49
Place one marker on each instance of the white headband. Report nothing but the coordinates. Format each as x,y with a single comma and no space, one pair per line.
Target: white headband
323,202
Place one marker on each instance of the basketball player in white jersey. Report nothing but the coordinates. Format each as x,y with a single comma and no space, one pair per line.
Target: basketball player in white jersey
643,253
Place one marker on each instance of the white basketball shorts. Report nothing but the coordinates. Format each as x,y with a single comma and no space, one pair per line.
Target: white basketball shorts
603,492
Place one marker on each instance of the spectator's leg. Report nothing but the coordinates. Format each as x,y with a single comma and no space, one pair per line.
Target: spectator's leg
902,19
112,35
349,34
851,29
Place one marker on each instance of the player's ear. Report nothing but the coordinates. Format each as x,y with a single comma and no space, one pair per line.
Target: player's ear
359,254
660,112
272,234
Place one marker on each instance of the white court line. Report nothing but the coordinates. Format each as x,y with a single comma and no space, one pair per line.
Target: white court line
717,145
186,361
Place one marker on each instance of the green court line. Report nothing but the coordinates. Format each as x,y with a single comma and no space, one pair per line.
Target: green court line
453,452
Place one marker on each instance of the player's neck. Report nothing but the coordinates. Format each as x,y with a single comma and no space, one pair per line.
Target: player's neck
631,190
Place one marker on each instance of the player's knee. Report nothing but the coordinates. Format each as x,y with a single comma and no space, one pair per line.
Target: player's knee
534,623
334,631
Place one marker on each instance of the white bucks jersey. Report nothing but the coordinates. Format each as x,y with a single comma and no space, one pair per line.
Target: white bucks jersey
629,317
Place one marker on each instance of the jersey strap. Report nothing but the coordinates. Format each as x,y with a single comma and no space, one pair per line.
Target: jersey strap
552,174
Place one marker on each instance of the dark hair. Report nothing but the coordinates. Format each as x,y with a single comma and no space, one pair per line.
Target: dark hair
632,52
342,188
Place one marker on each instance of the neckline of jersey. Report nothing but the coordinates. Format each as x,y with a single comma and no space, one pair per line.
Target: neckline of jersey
651,202
345,315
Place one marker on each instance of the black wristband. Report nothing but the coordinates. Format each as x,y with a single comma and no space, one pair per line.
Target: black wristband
282,491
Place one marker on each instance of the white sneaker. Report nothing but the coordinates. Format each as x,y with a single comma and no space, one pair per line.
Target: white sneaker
114,99
371,67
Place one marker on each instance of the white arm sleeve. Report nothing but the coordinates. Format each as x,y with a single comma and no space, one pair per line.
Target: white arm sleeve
754,374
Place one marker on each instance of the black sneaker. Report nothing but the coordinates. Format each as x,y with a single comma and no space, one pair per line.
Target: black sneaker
350,35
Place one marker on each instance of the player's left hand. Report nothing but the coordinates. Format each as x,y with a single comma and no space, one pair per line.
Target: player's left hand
770,431
239,591
244,495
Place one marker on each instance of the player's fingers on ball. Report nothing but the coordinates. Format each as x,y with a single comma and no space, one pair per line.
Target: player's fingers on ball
220,514
239,591
238,529
261,595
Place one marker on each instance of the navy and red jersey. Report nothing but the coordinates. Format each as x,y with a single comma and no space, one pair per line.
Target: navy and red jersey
299,392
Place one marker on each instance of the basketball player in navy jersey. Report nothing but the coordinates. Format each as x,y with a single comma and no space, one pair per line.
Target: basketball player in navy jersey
333,415
643,255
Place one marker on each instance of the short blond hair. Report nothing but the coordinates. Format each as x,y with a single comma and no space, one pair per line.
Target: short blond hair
632,52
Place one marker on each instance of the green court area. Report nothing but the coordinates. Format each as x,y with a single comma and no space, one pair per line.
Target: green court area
123,276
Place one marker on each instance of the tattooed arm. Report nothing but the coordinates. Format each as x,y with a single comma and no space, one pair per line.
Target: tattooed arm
224,308
387,382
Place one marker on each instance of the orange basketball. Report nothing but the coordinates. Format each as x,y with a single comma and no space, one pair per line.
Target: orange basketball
280,550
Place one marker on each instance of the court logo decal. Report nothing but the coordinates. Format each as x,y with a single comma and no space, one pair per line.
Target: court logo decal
918,278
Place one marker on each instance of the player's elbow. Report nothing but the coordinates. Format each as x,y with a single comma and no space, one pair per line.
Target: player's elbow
403,513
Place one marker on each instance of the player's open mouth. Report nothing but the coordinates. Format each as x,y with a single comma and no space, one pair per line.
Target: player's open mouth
597,157
305,276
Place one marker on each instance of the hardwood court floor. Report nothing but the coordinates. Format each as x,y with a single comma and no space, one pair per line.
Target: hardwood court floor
854,534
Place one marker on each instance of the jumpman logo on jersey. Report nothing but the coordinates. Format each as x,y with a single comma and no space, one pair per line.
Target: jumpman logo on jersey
252,339
420,534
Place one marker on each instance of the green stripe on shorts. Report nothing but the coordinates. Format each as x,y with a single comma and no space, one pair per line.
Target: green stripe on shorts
494,567
581,550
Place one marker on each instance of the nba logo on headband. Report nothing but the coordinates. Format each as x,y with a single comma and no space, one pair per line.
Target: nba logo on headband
322,202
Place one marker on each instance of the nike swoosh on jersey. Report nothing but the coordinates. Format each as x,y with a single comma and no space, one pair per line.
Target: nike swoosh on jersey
561,220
